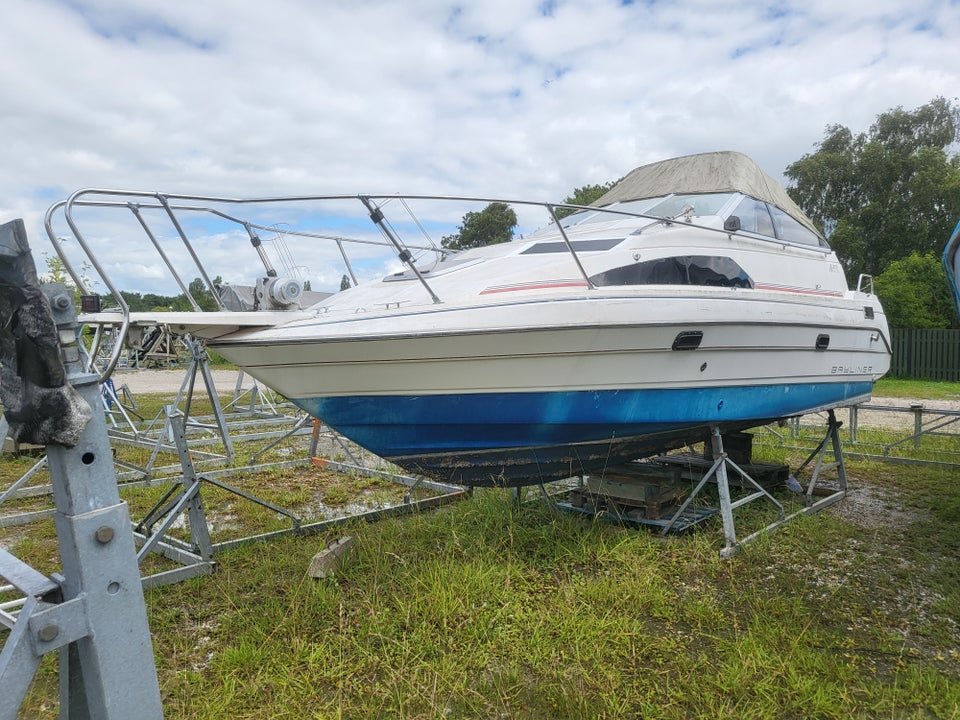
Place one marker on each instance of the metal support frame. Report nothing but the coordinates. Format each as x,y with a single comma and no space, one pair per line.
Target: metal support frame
94,613
113,406
197,556
830,443
258,400
927,422
816,497
719,471
935,422
200,361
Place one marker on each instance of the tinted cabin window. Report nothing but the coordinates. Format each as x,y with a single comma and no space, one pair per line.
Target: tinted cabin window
558,246
763,219
754,217
790,230
686,270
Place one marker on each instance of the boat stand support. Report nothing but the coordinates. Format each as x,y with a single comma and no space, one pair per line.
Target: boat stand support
816,497
831,442
196,557
718,471
200,362
93,614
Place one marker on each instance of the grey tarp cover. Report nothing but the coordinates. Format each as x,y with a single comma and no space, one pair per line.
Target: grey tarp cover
724,171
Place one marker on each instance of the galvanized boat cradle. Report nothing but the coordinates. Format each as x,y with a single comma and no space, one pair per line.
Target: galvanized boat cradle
722,465
196,557
93,614
259,419
184,497
689,513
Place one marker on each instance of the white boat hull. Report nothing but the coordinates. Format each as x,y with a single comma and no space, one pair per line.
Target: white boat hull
510,405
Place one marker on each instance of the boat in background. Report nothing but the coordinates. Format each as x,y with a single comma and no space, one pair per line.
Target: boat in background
951,263
694,296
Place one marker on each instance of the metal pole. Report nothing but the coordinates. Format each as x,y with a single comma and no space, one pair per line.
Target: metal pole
376,214
101,623
723,490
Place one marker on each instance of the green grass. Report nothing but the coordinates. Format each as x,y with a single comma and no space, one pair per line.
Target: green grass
928,389
487,609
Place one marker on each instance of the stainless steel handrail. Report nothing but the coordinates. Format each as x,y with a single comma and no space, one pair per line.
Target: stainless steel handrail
173,205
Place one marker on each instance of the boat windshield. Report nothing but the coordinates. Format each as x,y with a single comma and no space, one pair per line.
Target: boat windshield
639,207
664,206
697,205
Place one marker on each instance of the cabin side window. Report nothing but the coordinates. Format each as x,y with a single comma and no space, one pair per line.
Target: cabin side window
769,220
754,217
792,231
684,270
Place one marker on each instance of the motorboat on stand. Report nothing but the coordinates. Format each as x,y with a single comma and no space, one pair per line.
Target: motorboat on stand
693,296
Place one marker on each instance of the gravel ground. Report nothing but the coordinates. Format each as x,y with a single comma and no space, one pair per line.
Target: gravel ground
169,381
904,417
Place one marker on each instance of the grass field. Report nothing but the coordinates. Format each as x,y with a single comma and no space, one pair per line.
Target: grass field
488,608
926,389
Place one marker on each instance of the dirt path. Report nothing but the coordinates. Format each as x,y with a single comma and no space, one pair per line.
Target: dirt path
903,418
169,381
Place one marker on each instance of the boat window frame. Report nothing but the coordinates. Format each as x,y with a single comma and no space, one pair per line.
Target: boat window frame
697,263
718,211
774,212
611,213
781,215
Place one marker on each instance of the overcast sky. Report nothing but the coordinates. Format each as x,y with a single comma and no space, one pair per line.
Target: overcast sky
509,98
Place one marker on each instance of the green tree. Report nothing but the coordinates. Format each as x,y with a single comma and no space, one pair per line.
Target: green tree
915,294
57,273
583,196
134,301
884,194
345,283
494,224
201,295
152,301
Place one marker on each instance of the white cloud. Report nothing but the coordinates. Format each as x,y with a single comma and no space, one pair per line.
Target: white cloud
508,98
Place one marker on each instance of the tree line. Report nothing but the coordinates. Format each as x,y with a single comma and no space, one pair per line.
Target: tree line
152,302
887,199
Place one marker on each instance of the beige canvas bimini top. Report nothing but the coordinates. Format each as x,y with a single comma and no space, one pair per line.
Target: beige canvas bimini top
724,171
